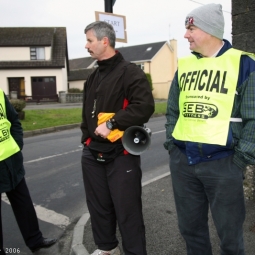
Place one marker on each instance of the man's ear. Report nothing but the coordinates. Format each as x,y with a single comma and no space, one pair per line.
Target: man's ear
105,41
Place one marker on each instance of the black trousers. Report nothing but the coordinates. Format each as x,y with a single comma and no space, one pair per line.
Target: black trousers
113,194
25,215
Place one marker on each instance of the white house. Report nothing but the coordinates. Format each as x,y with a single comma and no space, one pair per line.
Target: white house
33,62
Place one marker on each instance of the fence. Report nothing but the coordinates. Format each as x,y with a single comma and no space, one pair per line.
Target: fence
34,98
63,97
70,97
40,99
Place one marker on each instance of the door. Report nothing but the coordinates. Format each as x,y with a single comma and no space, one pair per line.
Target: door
44,88
17,85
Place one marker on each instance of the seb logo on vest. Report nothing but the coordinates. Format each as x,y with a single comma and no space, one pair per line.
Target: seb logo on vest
4,134
202,81
199,110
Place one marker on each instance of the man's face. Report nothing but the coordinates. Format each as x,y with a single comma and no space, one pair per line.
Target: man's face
198,39
94,47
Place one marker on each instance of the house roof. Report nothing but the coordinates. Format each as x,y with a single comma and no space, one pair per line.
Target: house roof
35,36
137,53
80,63
79,74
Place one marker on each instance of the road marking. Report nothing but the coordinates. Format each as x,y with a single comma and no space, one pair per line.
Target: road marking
65,153
47,215
159,132
53,156
156,178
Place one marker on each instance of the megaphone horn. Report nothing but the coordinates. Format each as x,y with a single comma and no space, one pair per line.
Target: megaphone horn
136,139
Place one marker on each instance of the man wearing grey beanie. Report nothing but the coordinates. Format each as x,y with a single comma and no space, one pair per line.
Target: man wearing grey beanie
210,136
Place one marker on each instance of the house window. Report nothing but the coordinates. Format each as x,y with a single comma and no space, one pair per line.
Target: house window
49,79
37,53
44,79
141,65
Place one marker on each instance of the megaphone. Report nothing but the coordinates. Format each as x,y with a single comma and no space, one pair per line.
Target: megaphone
136,139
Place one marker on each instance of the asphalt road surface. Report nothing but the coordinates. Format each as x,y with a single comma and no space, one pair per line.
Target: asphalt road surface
54,178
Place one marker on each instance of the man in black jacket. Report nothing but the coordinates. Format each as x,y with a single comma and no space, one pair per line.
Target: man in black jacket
12,181
117,96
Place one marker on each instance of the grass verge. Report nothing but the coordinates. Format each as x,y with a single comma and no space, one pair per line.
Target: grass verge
44,118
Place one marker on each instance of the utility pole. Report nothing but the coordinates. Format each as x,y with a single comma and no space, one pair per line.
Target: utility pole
108,5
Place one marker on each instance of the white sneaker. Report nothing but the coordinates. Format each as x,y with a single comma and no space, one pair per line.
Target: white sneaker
115,251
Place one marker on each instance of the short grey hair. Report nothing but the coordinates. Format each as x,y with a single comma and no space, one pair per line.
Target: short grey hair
102,29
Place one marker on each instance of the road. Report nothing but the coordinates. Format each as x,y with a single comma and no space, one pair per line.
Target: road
54,178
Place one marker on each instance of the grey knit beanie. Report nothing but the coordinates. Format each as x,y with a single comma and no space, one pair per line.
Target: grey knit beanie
208,18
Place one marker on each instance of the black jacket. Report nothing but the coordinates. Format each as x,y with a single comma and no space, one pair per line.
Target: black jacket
114,80
11,169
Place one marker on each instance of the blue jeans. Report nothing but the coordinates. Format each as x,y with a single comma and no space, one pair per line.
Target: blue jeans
216,184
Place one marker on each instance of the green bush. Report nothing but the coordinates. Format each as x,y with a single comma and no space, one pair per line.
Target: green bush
18,104
149,80
74,90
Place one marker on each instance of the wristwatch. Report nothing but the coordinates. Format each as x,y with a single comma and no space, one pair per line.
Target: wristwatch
109,124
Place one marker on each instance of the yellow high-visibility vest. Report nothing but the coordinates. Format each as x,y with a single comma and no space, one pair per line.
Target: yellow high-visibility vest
207,91
8,146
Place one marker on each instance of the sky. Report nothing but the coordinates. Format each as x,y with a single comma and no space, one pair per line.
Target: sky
147,21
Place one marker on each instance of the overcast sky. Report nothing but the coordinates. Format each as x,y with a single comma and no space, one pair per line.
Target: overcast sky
147,21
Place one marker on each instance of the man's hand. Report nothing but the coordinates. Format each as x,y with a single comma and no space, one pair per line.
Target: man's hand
102,130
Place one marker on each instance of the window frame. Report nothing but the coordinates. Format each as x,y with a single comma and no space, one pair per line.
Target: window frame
36,52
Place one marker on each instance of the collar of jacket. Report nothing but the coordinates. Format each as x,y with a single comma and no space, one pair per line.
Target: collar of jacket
109,63
227,45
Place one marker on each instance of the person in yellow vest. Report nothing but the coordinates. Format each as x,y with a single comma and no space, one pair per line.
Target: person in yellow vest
210,134
12,180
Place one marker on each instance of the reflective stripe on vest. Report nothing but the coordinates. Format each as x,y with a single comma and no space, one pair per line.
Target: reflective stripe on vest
207,91
8,146
236,120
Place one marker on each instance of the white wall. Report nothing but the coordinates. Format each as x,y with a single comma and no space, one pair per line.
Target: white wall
64,79
28,73
20,53
76,85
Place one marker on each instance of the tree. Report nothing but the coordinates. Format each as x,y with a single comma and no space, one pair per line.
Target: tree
149,80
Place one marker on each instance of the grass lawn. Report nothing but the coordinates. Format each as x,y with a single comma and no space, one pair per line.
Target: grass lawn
44,118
